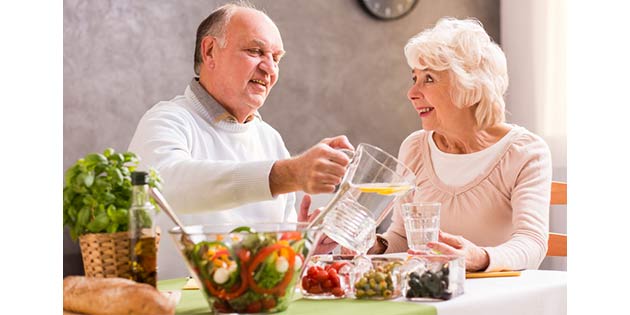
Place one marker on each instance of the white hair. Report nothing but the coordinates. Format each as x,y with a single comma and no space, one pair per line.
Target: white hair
476,64
215,25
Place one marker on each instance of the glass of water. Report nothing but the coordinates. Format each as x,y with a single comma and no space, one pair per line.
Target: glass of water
422,224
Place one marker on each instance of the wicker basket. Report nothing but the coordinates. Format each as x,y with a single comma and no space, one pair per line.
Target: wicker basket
106,255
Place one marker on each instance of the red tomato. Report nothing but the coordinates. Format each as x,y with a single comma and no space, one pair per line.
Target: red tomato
312,271
335,282
327,285
268,304
332,273
306,283
337,291
338,264
322,276
222,307
316,289
254,307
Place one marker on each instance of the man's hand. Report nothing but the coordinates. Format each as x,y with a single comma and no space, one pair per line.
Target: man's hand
476,257
315,171
325,244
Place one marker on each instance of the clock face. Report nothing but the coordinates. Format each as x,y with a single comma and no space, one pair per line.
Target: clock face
388,9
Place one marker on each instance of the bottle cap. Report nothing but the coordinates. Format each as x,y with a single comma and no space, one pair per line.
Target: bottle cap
139,178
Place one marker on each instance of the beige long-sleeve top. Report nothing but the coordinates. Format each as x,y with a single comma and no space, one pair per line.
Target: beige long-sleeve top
505,210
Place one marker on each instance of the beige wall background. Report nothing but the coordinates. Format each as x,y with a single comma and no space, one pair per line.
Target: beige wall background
344,73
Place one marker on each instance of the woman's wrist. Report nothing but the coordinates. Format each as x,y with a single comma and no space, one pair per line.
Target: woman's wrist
483,260
380,246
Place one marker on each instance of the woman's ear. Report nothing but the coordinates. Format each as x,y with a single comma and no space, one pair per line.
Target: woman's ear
207,50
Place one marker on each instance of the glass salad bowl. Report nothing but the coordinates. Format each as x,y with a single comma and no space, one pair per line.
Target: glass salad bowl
247,269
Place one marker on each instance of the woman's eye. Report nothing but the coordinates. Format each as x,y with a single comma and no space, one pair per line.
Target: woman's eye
428,79
414,79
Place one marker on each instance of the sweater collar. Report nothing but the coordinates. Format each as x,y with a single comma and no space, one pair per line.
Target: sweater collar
215,110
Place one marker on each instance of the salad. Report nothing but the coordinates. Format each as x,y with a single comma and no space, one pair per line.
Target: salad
249,272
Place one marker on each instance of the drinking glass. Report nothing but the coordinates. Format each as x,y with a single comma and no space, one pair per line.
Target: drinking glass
422,224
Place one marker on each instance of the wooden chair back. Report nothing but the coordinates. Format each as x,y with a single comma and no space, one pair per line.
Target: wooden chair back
557,245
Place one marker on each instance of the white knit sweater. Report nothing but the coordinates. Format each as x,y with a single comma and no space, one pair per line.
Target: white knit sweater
214,168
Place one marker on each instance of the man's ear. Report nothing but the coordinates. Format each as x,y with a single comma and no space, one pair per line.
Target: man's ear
208,50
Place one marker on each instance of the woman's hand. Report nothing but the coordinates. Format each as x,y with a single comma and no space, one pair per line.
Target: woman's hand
476,257
325,244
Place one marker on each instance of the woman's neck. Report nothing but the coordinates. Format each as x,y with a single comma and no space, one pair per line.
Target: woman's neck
465,140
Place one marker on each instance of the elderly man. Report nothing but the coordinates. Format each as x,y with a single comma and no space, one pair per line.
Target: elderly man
211,146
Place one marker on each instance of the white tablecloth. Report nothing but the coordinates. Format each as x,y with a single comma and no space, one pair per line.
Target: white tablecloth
536,292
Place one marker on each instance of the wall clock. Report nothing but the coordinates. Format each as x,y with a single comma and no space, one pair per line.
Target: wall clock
388,9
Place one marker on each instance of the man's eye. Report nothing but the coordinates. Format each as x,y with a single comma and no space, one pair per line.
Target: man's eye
254,51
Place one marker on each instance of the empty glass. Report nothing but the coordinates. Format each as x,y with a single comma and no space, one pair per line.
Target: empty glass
422,224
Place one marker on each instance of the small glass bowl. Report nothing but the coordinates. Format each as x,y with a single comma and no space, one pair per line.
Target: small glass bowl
433,277
326,277
381,282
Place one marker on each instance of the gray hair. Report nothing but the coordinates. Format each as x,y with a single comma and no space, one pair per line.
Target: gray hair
215,25
477,65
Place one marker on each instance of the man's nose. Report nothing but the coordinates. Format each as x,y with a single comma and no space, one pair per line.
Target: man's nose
268,65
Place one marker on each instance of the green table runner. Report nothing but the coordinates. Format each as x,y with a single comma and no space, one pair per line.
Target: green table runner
193,302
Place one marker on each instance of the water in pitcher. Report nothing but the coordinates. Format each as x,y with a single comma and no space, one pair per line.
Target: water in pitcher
353,220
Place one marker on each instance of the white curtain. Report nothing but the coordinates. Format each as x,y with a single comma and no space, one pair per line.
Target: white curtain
533,36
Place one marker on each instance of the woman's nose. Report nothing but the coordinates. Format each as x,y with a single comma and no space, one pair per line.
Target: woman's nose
414,92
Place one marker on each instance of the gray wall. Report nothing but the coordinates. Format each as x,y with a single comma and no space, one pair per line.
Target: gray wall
344,72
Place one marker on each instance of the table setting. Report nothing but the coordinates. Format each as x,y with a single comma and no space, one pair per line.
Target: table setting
272,267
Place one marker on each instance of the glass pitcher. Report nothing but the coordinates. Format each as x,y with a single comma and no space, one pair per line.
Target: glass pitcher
372,184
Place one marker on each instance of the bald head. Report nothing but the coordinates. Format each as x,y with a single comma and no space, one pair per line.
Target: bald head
240,67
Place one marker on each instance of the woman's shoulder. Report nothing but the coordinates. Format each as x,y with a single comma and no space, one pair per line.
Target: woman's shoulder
414,141
527,148
527,142
412,148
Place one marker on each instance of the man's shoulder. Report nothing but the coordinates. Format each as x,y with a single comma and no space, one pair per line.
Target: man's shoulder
266,128
177,106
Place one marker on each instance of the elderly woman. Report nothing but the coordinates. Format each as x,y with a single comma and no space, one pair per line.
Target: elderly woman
492,178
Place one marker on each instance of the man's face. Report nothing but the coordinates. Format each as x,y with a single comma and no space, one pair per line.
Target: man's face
246,69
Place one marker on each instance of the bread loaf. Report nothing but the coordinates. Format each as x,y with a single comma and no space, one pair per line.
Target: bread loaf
113,296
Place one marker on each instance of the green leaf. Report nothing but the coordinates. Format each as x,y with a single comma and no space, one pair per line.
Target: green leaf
99,224
95,158
122,216
112,228
111,212
89,179
108,152
117,176
84,216
118,158
130,157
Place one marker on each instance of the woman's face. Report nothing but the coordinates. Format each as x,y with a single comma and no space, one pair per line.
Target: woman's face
430,96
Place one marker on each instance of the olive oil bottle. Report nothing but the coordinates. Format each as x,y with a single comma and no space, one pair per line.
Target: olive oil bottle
142,232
